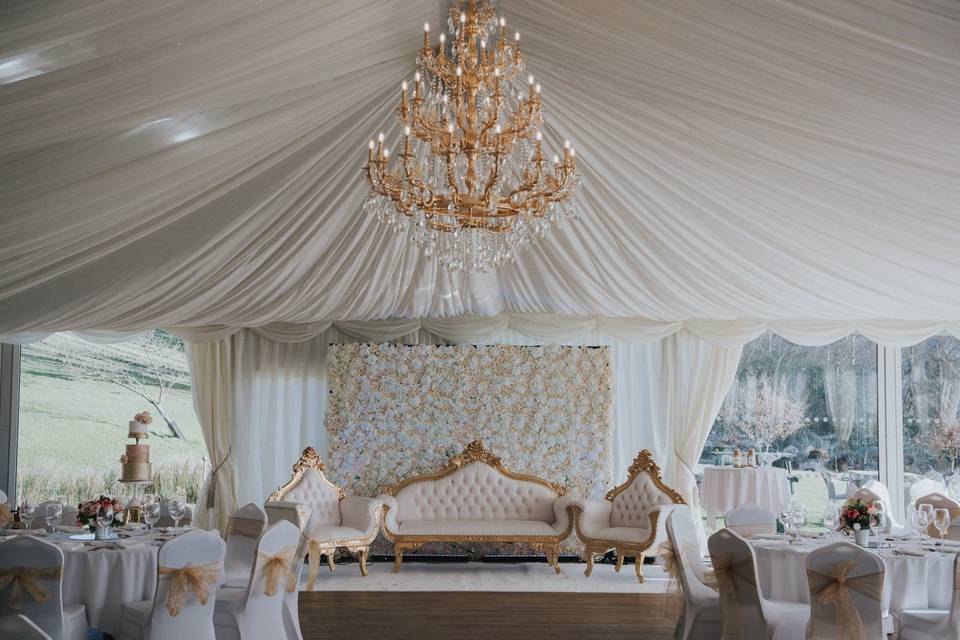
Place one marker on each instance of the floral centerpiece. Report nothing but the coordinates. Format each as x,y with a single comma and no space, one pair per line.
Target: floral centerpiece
87,512
855,516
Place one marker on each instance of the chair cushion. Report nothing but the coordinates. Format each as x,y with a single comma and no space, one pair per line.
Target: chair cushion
331,533
476,528
633,535
135,620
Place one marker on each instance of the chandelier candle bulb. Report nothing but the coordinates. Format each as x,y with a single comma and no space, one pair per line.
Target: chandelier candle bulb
471,186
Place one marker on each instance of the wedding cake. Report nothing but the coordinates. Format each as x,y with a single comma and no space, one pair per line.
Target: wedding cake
135,463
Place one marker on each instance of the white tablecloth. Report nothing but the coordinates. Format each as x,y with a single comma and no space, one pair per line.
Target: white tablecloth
724,488
910,582
104,579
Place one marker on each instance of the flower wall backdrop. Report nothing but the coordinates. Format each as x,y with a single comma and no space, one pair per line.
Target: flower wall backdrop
397,410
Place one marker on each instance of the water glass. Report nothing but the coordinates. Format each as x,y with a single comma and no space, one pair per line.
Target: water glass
941,520
54,515
926,516
27,512
916,523
151,513
178,507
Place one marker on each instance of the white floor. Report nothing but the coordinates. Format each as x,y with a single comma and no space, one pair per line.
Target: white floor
487,576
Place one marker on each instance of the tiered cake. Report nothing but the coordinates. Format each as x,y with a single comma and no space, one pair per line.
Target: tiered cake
135,463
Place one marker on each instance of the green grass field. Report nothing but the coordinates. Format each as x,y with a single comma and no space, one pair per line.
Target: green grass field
73,432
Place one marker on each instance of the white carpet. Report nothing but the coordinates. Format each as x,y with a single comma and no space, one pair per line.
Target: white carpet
485,576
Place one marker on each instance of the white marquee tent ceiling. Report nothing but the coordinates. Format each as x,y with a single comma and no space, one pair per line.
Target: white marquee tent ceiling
174,162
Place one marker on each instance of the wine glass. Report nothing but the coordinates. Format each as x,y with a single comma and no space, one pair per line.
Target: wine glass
830,517
916,523
54,514
177,510
941,520
151,513
926,515
27,512
876,523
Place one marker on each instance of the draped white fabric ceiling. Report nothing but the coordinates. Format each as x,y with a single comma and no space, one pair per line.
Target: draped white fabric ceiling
184,163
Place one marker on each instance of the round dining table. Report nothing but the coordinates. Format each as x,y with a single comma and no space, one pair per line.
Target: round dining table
916,576
724,488
104,575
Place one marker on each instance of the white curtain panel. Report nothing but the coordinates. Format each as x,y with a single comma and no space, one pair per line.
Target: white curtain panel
197,164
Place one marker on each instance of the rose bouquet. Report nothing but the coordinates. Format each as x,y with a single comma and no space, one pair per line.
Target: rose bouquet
87,512
143,417
855,514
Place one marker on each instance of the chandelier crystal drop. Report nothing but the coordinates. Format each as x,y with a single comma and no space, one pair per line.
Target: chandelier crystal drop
470,183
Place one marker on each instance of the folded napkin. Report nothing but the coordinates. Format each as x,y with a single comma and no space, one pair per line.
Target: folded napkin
767,536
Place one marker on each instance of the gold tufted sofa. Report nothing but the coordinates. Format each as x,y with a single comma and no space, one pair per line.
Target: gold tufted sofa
335,520
475,499
631,518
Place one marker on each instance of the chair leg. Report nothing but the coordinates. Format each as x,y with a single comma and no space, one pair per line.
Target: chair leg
330,559
589,564
363,561
619,562
638,565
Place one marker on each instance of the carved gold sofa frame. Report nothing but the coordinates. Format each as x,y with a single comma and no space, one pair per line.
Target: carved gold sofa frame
336,521
542,530
630,519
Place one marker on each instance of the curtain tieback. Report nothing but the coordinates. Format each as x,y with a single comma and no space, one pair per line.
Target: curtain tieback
277,568
5,516
245,527
728,573
195,579
212,489
22,580
834,588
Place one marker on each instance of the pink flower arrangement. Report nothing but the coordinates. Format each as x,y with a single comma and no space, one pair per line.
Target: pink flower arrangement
857,512
87,512
143,417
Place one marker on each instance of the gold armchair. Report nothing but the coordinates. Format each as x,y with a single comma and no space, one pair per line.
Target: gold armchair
335,520
630,519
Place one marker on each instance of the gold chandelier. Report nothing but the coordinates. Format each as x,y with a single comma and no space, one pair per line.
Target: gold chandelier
471,184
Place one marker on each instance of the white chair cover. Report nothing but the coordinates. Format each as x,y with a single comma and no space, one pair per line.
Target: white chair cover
244,529
31,576
846,584
750,519
939,501
700,619
299,515
21,627
745,613
189,569
924,487
878,492
932,624
257,611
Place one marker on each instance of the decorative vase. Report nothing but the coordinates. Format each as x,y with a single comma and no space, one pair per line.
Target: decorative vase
101,533
862,537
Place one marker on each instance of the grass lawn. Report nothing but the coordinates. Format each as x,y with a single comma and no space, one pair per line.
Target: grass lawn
73,432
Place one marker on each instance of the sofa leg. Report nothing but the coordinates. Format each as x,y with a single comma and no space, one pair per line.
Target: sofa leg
638,565
554,559
589,564
330,559
397,558
619,562
362,556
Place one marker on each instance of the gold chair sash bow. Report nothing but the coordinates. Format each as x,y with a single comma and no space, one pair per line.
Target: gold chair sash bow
195,579
727,572
22,580
671,565
276,568
245,527
835,588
